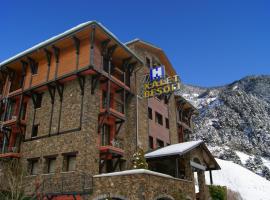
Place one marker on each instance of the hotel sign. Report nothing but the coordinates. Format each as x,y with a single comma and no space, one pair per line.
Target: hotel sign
159,83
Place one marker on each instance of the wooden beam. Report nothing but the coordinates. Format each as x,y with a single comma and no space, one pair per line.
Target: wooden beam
92,43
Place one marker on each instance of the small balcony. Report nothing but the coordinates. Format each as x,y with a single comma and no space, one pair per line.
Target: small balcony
117,106
113,147
185,124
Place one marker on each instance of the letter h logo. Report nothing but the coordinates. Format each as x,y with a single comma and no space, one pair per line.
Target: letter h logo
157,73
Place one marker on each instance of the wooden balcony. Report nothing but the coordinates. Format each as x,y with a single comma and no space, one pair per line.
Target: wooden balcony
111,149
113,112
185,125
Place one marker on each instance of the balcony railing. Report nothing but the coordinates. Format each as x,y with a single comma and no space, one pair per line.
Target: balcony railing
7,149
67,183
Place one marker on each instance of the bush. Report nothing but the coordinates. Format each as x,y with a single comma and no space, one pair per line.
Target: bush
217,192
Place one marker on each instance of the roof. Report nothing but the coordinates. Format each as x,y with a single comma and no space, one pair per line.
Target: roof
159,50
174,149
181,99
67,33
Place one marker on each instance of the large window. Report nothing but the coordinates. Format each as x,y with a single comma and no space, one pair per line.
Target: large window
158,118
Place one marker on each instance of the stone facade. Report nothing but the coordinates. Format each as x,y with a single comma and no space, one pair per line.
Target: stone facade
83,142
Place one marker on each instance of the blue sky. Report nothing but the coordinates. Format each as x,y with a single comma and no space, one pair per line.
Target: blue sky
210,43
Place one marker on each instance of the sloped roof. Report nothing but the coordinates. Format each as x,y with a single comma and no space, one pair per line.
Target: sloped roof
183,148
65,34
174,149
156,49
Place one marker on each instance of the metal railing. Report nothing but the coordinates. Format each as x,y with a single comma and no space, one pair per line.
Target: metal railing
67,183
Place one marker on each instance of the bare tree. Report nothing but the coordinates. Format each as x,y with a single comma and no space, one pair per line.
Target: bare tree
12,183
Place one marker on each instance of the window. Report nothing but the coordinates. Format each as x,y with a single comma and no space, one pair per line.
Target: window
35,130
105,135
33,166
167,123
51,162
71,163
158,118
150,113
148,62
34,68
151,142
39,100
23,114
160,143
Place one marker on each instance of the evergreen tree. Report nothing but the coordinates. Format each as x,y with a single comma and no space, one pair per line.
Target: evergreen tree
266,172
139,161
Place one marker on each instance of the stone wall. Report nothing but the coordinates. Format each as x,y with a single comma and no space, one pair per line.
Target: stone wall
142,186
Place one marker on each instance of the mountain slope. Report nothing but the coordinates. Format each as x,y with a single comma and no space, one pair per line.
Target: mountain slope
236,115
237,178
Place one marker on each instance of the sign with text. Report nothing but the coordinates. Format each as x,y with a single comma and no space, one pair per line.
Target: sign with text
159,84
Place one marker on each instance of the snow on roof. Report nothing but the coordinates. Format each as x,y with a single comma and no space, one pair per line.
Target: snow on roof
142,41
133,171
174,149
69,31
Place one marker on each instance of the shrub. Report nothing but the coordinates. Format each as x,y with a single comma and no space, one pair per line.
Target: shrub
217,192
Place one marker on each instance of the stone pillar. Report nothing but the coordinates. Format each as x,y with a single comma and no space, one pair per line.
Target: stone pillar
202,186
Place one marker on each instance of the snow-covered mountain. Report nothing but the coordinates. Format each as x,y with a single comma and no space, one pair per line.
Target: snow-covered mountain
235,118
248,184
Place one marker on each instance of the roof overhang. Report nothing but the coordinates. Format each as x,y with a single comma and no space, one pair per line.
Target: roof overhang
187,105
69,33
163,57
182,149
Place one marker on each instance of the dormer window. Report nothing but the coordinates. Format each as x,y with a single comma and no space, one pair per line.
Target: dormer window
148,62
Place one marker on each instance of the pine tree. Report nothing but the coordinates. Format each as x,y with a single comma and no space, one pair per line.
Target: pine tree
266,172
139,161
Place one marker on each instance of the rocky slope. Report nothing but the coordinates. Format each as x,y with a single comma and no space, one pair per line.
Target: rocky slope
233,117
